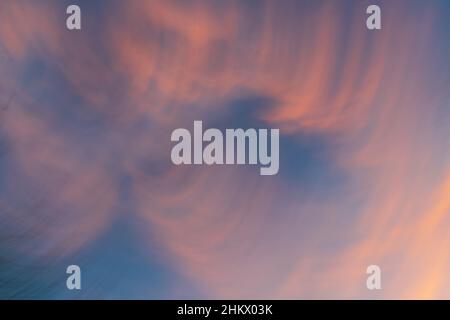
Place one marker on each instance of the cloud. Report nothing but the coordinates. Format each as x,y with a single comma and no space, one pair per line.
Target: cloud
86,109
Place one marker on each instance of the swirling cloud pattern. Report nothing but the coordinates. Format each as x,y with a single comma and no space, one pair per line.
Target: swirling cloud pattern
85,123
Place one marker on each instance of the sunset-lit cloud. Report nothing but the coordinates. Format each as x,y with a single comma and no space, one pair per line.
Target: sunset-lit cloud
86,116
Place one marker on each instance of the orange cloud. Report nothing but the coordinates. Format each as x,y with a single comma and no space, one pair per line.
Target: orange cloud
370,95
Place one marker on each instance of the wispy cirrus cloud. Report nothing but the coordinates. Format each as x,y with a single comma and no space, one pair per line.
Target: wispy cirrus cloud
366,168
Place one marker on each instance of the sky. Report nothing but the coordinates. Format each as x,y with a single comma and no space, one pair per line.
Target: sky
86,176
